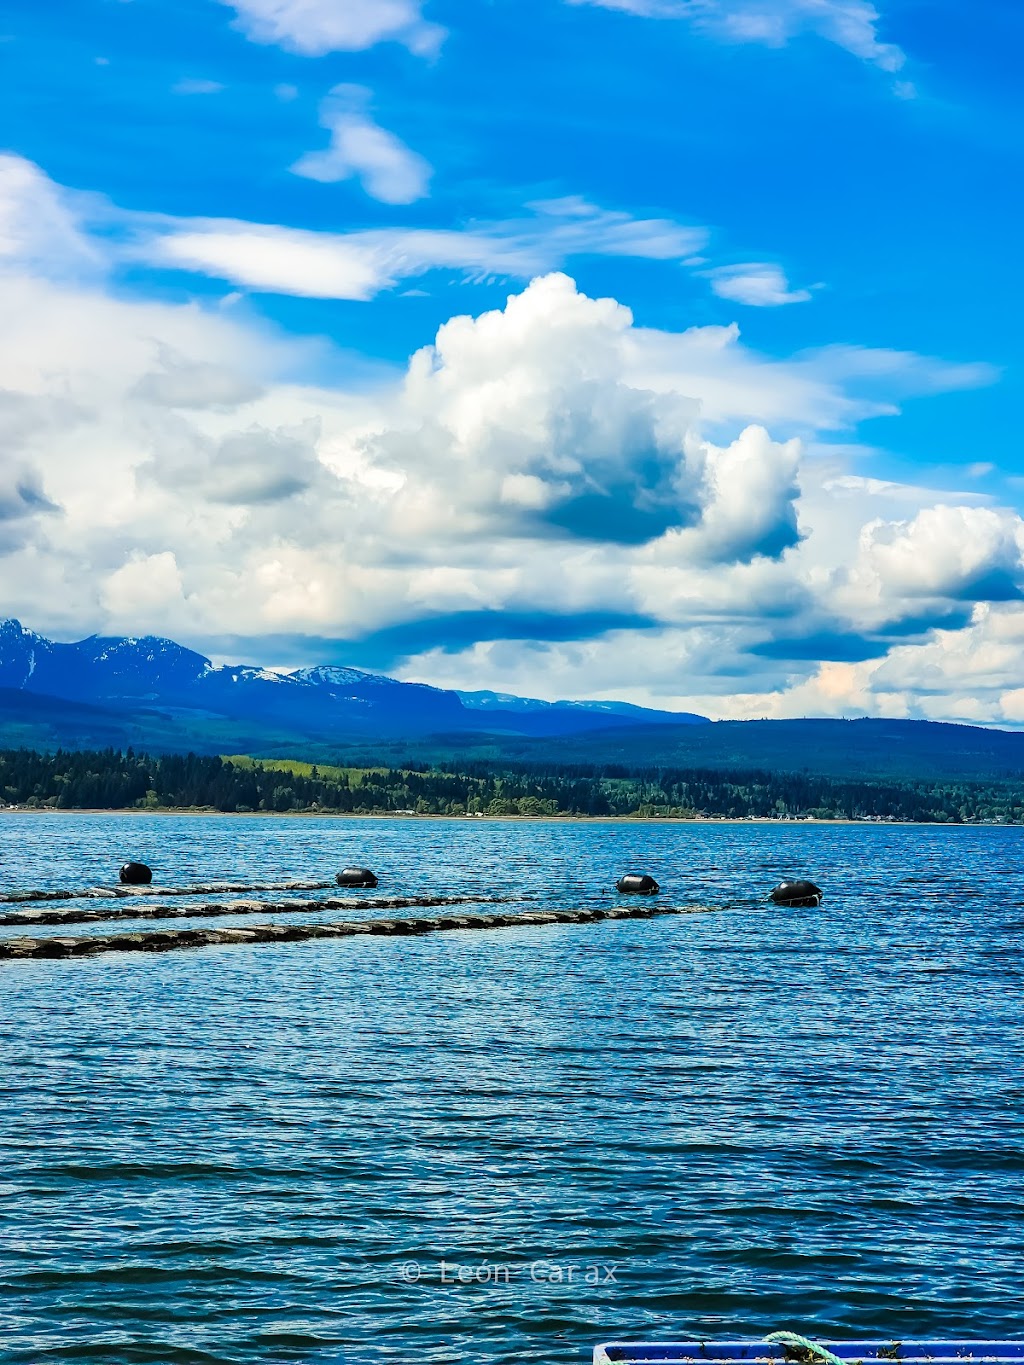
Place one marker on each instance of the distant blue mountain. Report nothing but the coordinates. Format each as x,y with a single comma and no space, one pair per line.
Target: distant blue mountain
155,677
616,713
157,696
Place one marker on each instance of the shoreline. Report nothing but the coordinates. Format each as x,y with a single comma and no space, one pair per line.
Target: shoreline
504,819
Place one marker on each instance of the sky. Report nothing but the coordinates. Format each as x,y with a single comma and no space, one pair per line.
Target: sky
659,350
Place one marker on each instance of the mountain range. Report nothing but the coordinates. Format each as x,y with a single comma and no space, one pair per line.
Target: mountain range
176,694
158,696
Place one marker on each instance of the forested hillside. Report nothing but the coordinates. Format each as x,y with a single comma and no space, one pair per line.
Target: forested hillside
110,780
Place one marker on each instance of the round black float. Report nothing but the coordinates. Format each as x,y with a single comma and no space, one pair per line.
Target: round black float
637,884
796,893
356,876
136,874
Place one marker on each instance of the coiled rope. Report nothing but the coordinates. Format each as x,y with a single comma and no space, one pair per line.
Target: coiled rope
805,1344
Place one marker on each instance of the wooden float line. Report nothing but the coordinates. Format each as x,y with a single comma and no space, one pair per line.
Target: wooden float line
93,893
215,908
161,940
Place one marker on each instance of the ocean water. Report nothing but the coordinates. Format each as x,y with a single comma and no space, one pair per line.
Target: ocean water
506,1145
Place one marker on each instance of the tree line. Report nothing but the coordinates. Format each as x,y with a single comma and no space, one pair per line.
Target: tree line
114,780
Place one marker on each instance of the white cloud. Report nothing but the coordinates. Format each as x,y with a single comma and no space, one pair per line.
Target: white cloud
971,675
38,223
749,503
824,390
383,164
358,265
576,226
177,382
902,371
316,27
953,552
249,467
528,412
758,284
945,554
23,501
276,260
145,586
850,24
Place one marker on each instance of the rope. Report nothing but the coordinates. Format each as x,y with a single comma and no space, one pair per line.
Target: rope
805,1344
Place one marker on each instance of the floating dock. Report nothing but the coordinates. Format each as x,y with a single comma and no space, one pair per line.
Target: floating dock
215,908
163,940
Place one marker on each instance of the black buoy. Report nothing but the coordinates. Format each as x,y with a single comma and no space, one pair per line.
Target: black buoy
637,884
356,876
796,893
136,874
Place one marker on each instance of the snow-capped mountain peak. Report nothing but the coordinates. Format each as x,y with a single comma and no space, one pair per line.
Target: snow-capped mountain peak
330,675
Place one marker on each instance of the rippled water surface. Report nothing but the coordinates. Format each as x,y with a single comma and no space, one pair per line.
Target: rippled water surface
743,1120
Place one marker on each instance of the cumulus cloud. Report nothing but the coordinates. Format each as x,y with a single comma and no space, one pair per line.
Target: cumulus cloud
759,284
27,420
383,164
749,504
175,381
522,425
146,586
945,554
850,24
527,410
313,28
248,468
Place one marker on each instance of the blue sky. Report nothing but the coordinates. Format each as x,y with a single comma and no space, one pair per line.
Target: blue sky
747,444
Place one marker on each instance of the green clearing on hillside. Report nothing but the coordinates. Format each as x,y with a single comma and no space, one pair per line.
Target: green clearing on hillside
327,772
299,768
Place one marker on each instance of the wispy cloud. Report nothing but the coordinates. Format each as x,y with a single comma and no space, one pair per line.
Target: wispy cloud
42,220
759,284
850,24
358,265
386,168
647,9
315,27
188,86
